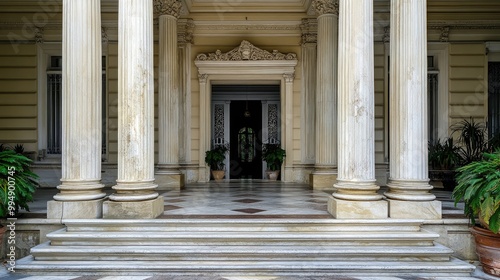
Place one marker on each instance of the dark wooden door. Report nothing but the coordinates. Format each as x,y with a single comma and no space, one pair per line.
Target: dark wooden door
246,139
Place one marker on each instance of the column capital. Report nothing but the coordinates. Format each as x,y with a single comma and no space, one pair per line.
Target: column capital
185,30
309,29
104,35
203,78
167,7
323,7
38,34
289,77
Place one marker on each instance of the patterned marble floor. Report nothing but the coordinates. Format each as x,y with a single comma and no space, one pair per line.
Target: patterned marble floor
259,199
244,198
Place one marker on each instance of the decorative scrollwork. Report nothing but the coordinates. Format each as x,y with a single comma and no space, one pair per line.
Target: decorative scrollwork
272,121
219,121
245,51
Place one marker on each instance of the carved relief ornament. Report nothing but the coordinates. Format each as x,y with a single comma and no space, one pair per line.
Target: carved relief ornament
168,7
323,7
245,51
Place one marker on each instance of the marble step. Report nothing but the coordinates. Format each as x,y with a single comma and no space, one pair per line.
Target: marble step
252,268
323,225
63,237
227,253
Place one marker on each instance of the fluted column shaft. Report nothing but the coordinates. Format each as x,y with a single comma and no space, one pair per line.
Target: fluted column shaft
81,110
135,102
168,86
408,102
356,162
326,92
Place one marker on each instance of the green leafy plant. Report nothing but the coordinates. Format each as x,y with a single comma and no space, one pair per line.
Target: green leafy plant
17,183
19,148
444,155
472,137
479,187
216,156
273,155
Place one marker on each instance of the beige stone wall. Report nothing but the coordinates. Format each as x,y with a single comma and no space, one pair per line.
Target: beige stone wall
468,90
18,95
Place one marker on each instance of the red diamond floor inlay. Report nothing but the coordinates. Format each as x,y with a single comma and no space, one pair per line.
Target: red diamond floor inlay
248,200
249,210
170,207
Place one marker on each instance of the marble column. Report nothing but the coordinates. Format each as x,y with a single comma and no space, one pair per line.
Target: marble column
287,127
356,190
325,172
185,40
408,194
136,195
308,97
205,91
168,174
81,192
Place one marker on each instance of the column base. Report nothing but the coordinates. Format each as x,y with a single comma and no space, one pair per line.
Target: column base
86,209
321,181
403,209
350,209
170,181
148,209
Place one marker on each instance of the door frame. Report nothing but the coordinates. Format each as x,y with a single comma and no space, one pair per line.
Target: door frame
246,72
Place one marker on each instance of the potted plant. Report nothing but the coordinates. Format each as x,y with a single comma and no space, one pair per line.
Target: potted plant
478,185
444,157
273,155
472,138
215,159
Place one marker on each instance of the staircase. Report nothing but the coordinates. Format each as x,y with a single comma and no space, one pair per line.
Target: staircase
249,247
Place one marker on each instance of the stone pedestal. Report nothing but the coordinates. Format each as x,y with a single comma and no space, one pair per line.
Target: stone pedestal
87,209
168,181
427,210
322,180
148,209
347,209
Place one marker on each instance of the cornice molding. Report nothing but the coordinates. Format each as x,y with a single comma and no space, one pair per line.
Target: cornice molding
245,51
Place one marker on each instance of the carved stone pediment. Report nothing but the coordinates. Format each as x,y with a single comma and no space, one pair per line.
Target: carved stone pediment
245,51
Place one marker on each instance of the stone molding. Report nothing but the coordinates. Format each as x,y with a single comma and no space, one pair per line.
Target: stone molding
323,7
167,7
245,51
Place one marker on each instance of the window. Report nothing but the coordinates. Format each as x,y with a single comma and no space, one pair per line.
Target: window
432,100
54,106
493,98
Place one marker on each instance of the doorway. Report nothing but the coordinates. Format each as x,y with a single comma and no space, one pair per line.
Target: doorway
246,139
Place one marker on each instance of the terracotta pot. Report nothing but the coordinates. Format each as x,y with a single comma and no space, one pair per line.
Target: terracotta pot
273,175
218,174
488,249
